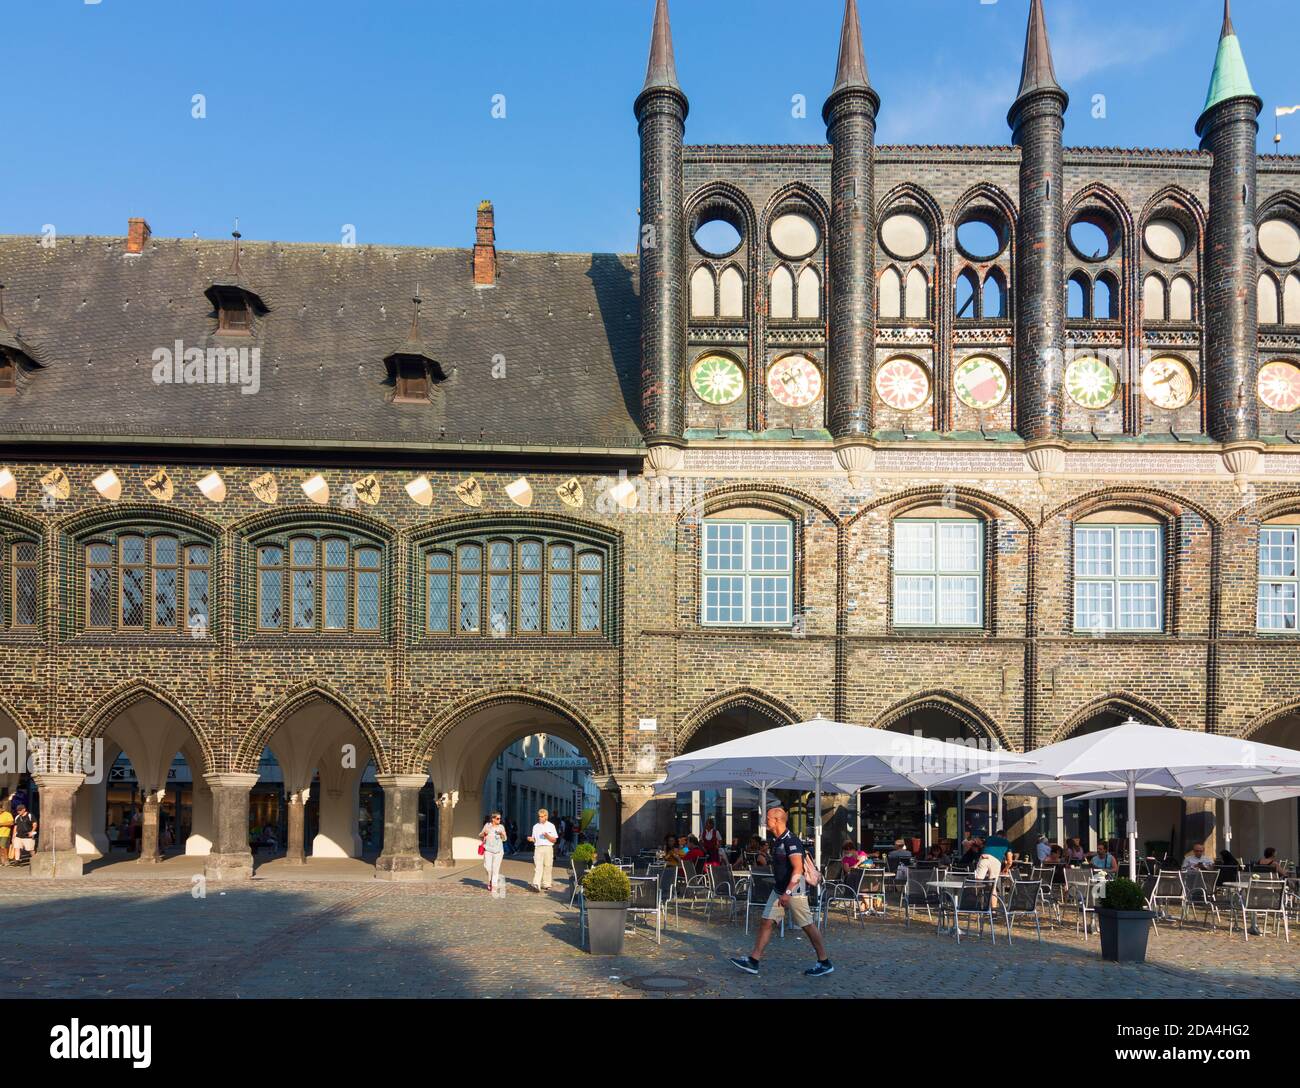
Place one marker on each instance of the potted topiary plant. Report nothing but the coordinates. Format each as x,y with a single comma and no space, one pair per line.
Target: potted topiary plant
583,855
1124,920
607,891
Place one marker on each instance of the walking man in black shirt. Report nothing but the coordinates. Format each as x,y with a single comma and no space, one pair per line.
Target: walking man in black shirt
789,894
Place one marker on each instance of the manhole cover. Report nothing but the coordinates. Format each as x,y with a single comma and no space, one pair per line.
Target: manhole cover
664,983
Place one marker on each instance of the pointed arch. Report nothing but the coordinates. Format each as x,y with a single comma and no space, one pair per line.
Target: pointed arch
1268,297
440,726
889,302
916,294
703,291
1182,306
108,706
1291,300
1154,307
966,296
731,291
808,302
1117,702
1266,718
293,700
1078,297
948,702
780,711
10,711
1105,298
781,294
994,301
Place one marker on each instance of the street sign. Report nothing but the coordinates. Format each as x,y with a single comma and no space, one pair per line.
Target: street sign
570,763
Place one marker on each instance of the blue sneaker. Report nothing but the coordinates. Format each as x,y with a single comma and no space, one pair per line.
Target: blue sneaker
820,968
746,963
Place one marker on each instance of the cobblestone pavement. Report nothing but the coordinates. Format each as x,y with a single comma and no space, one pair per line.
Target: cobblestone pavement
446,938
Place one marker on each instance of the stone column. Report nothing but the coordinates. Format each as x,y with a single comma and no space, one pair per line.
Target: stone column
646,819
401,859
1200,824
230,859
56,848
149,847
446,829
295,852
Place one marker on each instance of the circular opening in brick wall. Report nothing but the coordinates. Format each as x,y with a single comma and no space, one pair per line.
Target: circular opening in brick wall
1093,236
1165,240
905,235
718,229
1279,241
982,235
794,235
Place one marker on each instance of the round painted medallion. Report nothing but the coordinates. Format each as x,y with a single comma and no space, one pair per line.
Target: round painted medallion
1168,383
717,380
903,384
980,382
1279,386
794,381
1090,383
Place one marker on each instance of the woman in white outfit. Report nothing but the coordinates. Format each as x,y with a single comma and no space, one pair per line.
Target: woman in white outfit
493,837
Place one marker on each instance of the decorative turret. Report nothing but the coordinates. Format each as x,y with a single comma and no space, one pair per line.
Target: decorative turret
850,116
1228,128
661,110
1037,120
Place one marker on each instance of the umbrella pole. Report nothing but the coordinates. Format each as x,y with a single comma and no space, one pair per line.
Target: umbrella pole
1132,829
817,800
762,813
1227,822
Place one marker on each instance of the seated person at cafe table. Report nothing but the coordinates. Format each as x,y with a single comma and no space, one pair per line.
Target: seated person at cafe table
900,853
1041,849
851,857
1270,861
694,851
970,852
1104,860
1074,851
1197,858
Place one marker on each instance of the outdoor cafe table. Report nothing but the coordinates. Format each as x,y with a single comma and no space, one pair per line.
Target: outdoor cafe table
953,888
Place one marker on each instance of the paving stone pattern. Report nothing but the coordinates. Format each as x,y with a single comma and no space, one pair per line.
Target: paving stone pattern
447,938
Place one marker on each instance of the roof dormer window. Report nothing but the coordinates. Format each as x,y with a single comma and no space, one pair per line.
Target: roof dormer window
412,371
15,355
234,300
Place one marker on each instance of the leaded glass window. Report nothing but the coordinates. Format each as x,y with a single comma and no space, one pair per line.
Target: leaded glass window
18,606
525,586
321,583
137,582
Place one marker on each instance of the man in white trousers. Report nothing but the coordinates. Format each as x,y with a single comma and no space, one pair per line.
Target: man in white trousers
543,839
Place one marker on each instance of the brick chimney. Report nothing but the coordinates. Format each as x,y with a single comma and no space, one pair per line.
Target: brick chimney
137,235
485,250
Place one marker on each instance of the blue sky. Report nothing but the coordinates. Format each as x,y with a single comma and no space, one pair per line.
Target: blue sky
321,113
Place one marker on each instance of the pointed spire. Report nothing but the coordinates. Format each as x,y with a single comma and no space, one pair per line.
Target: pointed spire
851,71
1037,73
1229,78
661,71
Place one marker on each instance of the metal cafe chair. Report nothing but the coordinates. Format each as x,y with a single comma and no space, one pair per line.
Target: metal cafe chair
843,893
1025,901
1199,887
917,894
646,900
1262,897
1167,888
667,881
872,889
975,897
1043,878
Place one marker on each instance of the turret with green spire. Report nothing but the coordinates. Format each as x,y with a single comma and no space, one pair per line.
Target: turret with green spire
1229,128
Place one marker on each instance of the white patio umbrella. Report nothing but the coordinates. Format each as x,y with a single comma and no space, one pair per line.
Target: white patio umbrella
1257,791
1132,755
1014,781
817,754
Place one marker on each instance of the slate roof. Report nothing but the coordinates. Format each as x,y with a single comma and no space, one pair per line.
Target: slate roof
566,325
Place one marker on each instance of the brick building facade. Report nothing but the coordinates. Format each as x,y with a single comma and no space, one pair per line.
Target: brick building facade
909,450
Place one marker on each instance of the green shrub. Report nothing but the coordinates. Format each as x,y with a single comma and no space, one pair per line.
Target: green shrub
1123,894
584,853
607,884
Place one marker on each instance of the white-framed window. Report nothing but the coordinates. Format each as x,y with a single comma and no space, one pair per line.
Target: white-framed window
1278,582
938,572
748,573
1117,578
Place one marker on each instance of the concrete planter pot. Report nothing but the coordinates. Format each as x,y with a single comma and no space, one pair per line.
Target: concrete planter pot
1124,934
605,928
